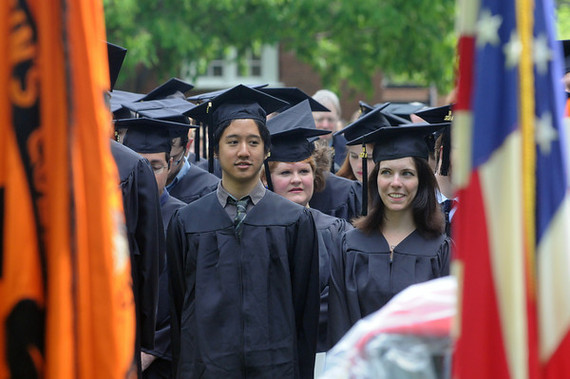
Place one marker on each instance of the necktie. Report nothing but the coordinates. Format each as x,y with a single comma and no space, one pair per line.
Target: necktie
241,207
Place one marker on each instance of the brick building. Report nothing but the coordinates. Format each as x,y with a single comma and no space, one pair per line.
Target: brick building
277,67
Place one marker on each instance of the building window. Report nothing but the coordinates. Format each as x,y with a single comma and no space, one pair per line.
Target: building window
231,70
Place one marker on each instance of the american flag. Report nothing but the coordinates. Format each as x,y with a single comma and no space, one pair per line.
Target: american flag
511,226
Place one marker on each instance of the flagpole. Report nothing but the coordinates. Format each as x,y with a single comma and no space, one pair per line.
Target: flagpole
527,117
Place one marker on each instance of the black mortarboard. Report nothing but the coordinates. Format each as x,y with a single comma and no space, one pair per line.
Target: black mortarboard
146,135
170,87
210,95
367,123
239,102
118,98
290,131
372,119
401,141
116,55
566,50
395,120
177,104
294,96
364,107
169,110
436,115
404,110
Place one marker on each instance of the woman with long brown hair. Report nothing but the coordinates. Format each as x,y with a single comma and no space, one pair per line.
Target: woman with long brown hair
401,241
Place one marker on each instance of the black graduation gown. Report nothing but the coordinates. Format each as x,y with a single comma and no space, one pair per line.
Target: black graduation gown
161,367
249,308
363,279
167,207
195,184
203,164
339,144
144,233
341,198
330,230
192,159
446,208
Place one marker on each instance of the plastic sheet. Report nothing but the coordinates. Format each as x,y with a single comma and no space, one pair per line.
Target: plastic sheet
410,337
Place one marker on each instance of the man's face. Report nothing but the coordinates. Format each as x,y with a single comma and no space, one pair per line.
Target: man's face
326,121
177,155
241,153
159,166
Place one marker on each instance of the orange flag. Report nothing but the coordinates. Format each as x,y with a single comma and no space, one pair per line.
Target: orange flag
66,305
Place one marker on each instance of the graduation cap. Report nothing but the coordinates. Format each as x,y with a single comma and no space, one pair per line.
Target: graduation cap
365,124
364,107
116,55
294,96
395,120
566,50
437,115
210,95
392,118
118,98
178,104
404,110
402,141
239,102
170,87
368,122
290,133
146,135
169,110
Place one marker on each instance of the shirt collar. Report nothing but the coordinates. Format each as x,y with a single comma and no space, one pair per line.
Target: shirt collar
255,195
183,171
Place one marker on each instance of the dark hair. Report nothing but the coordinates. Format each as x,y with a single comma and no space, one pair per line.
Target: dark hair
345,169
167,156
427,214
184,140
263,132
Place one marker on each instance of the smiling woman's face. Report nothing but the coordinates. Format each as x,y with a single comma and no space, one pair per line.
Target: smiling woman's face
293,181
398,184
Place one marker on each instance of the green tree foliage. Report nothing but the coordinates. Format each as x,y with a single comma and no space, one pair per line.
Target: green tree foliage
343,40
563,19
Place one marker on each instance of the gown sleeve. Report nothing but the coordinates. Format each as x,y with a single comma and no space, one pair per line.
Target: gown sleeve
339,320
176,247
306,294
149,235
